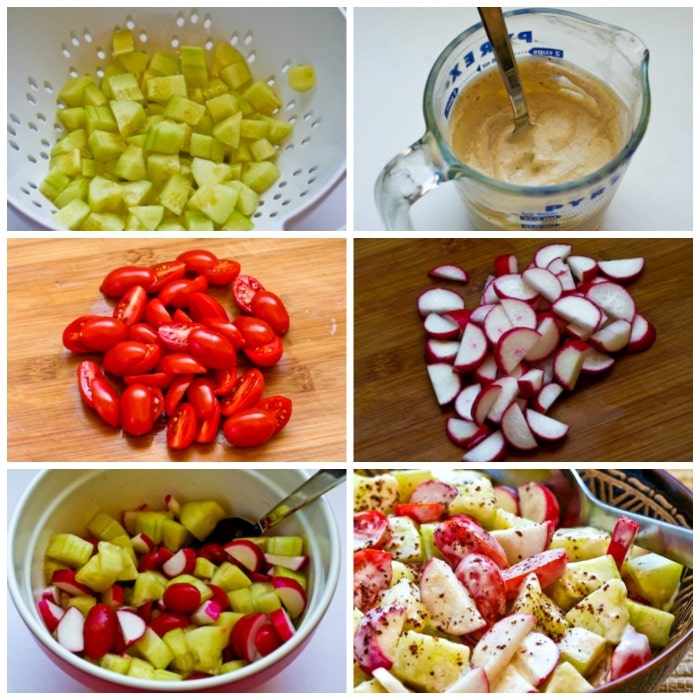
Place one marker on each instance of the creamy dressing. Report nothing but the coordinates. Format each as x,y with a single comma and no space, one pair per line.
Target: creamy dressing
578,125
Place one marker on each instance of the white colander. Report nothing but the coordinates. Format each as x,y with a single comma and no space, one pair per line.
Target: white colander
47,46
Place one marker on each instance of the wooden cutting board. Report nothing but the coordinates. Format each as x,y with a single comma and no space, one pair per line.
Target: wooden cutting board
52,281
640,411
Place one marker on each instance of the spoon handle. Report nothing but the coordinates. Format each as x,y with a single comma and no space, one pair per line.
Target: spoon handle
496,30
321,482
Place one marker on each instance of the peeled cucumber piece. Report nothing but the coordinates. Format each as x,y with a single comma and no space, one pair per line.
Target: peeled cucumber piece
181,139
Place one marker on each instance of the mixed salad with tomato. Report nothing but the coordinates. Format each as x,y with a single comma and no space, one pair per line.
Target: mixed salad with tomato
463,585
170,350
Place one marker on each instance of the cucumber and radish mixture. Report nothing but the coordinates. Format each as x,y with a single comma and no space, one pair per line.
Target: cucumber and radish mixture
170,352
182,139
535,333
139,594
461,585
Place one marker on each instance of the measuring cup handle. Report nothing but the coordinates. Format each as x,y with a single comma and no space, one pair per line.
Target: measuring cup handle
404,180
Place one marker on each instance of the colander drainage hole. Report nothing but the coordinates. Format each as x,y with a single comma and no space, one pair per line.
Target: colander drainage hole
48,87
32,83
14,145
11,129
87,36
180,19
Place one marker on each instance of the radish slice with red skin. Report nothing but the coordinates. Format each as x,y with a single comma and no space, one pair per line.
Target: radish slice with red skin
449,271
283,623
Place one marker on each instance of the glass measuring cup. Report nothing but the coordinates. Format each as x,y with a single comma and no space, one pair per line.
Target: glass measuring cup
609,53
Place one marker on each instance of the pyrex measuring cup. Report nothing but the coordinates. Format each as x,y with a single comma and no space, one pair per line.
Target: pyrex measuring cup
609,53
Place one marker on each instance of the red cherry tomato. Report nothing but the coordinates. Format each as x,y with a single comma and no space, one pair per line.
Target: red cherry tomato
182,598
278,406
181,363
182,427
107,402
255,331
175,293
143,333
198,260
224,380
208,429
88,371
224,272
156,313
211,348
176,393
228,330
157,380
71,334
100,333
200,394
132,306
99,631
247,391
243,289
131,357
203,307
269,307
164,273
266,355
174,335
249,428
137,410
121,279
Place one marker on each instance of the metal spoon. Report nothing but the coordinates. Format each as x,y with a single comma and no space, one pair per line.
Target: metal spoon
492,18
233,528
581,507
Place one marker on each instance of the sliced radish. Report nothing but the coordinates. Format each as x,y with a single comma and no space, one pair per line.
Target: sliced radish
596,362
291,594
51,613
70,630
207,613
612,337
441,326
545,427
182,562
516,429
583,268
244,633
613,299
293,563
568,362
449,271
283,623
441,350
548,395
496,323
544,281
246,553
521,314
514,287
508,393
622,270
445,381
578,310
513,346
465,433
642,336
545,254
505,264
132,626
563,273
491,449
464,402
439,300
65,580
472,349
484,401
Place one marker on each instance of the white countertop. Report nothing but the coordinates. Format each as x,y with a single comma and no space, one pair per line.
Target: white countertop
394,49
321,667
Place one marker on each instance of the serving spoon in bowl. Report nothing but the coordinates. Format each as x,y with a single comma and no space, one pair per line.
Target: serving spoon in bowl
580,507
236,527
495,26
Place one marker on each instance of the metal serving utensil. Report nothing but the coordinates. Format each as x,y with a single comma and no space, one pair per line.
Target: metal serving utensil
580,507
495,26
236,527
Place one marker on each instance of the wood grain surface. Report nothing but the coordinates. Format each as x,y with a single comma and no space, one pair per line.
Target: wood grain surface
52,281
640,411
